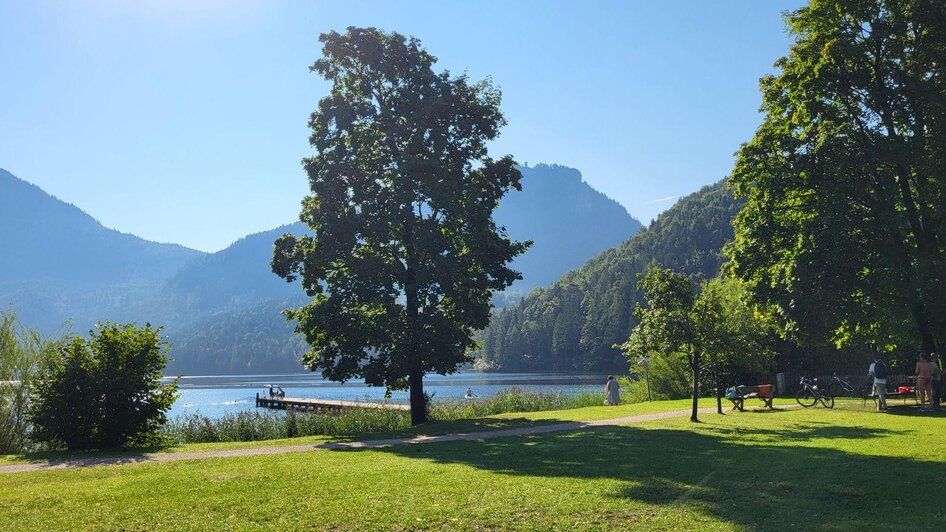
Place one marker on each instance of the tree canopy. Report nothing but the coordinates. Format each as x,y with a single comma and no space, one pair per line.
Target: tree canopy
405,254
845,180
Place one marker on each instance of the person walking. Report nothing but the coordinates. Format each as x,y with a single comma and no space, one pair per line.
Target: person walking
612,391
878,371
924,381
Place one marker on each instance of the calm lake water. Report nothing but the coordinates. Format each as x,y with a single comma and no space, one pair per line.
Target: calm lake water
214,396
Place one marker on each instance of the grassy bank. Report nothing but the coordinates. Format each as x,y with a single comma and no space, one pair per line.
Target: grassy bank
839,469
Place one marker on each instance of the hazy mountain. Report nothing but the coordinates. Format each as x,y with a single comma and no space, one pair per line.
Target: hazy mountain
59,264
568,221
236,277
221,310
574,324
46,239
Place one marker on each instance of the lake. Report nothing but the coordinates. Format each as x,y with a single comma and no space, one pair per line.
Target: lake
214,396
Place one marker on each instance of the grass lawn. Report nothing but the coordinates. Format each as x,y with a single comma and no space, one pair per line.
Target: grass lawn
840,469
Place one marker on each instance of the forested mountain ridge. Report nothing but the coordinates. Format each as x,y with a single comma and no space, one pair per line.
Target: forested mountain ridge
573,324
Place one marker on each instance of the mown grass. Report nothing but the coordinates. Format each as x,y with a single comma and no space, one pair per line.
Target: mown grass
841,469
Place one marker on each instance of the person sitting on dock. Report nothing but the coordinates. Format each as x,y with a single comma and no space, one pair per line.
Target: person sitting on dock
280,392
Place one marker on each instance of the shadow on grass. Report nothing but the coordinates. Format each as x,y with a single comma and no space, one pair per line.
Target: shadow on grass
757,479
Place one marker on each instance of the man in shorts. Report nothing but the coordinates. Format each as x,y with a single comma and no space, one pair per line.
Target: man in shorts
878,371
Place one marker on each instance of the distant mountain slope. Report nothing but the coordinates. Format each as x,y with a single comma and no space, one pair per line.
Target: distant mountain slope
574,324
236,277
46,239
59,264
568,221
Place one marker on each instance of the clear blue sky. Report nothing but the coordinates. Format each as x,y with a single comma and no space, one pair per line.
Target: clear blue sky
185,120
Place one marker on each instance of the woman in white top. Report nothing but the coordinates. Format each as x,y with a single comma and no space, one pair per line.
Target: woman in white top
612,392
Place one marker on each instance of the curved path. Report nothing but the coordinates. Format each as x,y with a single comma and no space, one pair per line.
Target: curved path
364,444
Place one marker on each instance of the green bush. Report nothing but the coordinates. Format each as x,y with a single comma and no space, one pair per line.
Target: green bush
22,352
104,392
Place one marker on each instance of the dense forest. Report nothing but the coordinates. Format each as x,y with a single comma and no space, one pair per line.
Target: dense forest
574,324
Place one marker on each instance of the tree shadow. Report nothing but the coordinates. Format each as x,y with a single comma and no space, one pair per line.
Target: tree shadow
754,480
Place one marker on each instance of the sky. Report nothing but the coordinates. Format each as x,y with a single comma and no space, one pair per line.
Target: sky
185,120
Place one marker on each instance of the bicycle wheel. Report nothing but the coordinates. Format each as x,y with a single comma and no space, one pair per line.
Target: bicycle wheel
835,389
827,400
805,397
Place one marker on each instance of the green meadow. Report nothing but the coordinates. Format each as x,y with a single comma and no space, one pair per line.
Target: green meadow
786,469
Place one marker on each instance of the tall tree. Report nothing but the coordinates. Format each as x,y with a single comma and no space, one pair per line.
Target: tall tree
405,252
845,180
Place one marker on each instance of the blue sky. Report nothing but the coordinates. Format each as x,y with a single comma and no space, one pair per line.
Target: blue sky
185,120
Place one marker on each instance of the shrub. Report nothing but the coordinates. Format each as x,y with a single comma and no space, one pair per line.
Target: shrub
22,352
104,392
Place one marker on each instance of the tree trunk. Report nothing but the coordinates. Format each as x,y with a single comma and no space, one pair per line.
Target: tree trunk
415,378
418,401
695,367
719,396
923,327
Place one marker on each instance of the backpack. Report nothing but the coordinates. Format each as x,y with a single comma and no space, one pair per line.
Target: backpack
880,370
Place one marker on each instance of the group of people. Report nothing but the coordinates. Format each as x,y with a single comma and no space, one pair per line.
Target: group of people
276,391
929,382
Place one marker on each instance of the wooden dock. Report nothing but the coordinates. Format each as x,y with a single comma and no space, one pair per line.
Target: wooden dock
320,405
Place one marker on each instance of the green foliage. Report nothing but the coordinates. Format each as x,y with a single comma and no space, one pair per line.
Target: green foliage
405,254
22,352
845,179
103,392
715,326
512,400
257,426
574,324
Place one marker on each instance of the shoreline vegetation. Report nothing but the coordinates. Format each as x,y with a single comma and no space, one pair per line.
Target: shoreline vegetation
256,425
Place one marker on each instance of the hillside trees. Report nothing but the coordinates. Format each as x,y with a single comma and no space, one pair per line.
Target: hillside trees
405,254
574,324
845,180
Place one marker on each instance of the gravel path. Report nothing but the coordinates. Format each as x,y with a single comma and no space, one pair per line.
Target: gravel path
364,444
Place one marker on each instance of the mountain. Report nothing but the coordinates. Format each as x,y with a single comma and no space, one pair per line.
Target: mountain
236,277
60,264
574,324
568,221
221,310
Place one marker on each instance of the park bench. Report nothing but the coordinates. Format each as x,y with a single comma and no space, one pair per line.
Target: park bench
763,392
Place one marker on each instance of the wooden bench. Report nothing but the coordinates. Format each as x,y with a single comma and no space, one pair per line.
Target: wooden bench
762,392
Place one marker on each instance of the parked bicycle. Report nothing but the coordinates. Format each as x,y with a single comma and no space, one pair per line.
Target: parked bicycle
842,388
809,394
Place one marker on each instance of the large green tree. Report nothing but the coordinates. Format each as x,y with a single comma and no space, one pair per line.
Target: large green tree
405,253
845,180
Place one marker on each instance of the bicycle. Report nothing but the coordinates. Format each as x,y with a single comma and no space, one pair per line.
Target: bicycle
809,394
841,388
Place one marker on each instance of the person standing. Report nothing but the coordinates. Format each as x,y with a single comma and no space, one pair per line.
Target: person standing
937,382
612,391
924,381
878,371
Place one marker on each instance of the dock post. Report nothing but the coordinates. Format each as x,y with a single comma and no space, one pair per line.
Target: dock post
257,399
